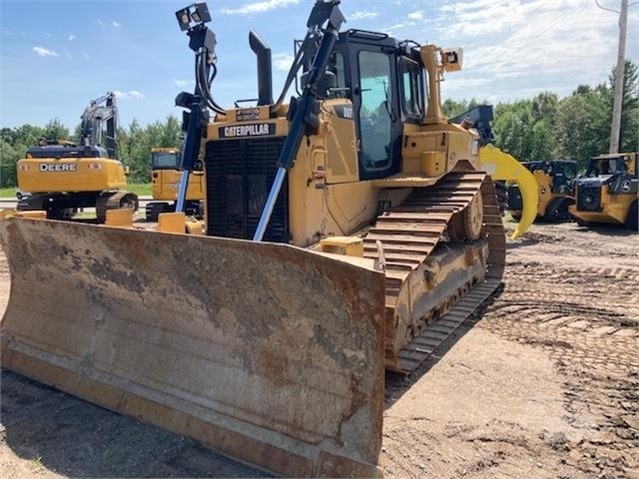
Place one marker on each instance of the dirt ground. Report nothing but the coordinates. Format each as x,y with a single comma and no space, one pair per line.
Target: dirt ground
542,383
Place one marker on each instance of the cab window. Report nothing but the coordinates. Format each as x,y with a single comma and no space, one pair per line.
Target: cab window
412,88
165,160
375,110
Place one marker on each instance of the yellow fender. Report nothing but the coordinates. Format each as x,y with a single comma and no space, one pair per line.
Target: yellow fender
504,167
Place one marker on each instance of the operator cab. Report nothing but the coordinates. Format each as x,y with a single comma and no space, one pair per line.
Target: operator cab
386,87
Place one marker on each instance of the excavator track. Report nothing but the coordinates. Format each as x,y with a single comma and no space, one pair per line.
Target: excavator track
409,234
112,201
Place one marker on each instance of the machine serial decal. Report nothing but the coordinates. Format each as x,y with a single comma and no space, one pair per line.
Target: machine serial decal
58,167
259,129
248,114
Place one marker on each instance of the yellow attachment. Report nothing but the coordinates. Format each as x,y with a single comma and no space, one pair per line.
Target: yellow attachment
172,222
194,227
122,217
34,215
346,245
504,167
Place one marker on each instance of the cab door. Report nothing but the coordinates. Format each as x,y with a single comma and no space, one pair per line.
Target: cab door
376,104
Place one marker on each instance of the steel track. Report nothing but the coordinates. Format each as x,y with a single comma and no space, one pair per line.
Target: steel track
410,232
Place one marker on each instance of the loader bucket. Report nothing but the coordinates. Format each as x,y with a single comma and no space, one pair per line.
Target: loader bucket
267,353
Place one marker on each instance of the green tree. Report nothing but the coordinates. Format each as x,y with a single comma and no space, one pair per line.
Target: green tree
8,160
55,130
584,123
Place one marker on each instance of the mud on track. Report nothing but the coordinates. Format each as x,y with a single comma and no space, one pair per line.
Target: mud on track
543,383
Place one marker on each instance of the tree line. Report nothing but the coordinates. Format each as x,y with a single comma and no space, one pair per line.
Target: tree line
576,127
545,127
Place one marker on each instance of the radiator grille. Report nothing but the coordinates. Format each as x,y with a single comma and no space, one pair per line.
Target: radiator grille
239,175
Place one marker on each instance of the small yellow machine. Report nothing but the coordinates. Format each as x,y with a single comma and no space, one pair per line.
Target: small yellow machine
62,176
165,177
607,193
554,179
347,233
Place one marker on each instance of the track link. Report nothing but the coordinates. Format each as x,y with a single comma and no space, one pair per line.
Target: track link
410,232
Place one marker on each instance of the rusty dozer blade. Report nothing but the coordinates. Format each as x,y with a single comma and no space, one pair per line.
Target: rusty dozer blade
267,353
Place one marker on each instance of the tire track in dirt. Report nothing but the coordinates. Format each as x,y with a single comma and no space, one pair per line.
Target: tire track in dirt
576,297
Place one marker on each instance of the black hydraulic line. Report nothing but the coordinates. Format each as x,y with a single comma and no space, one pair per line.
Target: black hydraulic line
303,116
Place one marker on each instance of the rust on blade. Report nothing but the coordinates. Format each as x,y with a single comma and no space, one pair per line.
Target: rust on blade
267,353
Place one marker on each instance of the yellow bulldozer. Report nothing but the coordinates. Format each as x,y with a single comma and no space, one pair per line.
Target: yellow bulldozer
346,233
607,192
62,176
165,180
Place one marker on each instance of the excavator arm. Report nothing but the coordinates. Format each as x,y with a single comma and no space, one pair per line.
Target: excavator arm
101,114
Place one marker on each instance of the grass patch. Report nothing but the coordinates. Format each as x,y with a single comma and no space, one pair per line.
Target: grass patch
7,192
142,189
36,463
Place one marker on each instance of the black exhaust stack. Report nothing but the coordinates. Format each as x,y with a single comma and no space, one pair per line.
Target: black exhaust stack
264,69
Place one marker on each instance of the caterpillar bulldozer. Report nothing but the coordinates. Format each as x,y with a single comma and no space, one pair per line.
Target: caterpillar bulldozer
555,184
346,234
165,179
62,176
607,192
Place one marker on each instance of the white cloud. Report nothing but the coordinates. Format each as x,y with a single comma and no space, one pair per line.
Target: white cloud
363,15
71,37
44,52
183,82
283,61
111,24
131,95
86,55
259,7
411,20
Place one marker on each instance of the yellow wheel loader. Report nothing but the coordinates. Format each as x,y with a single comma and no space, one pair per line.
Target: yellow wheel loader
347,232
554,179
607,193
165,179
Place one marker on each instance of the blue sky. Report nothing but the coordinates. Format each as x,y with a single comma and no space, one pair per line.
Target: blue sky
56,56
